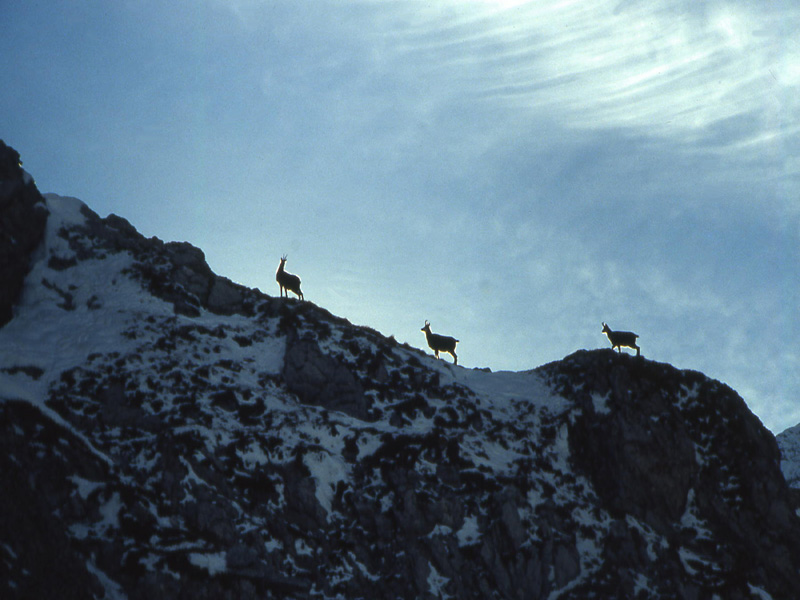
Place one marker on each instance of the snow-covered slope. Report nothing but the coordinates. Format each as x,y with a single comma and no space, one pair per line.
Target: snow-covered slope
169,434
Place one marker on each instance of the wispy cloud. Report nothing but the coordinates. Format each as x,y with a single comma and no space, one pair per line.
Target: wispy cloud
674,69
713,76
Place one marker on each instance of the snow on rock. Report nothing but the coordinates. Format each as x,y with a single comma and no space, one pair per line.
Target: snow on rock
469,533
328,471
789,442
214,563
167,433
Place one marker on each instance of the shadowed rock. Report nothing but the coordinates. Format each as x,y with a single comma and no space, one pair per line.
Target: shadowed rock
321,380
23,217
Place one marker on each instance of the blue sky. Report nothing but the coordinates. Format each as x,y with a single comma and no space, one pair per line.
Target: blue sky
514,172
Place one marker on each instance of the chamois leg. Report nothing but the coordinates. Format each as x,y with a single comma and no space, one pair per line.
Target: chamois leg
455,358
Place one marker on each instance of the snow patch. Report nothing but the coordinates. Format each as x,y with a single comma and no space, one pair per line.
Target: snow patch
112,588
693,562
213,562
687,395
368,445
327,470
436,583
690,519
758,592
110,513
600,403
301,548
642,586
440,530
469,533
254,456
502,388
364,571
64,210
653,539
84,486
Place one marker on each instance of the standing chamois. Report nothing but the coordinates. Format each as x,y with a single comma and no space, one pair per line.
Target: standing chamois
621,338
287,281
440,343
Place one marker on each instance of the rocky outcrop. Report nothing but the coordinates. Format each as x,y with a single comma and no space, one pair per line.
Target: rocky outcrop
321,380
23,217
174,271
667,447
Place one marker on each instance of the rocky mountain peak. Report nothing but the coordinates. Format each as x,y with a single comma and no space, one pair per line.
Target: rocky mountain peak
167,433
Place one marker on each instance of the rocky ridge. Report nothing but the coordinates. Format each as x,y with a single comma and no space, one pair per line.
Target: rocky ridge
168,433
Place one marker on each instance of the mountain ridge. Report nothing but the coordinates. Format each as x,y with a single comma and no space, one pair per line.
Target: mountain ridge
168,433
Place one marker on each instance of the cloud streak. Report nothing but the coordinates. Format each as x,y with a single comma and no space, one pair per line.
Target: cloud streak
674,70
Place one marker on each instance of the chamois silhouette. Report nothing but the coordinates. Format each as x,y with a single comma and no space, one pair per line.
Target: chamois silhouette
621,338
288,281
440,343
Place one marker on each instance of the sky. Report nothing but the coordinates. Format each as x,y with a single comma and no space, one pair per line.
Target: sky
514,172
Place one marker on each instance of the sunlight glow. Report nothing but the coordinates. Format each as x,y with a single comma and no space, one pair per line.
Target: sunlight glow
732,29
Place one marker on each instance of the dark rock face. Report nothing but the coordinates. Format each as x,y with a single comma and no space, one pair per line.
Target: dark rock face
22,221
667,439
39,559
320,380
227,444
635,467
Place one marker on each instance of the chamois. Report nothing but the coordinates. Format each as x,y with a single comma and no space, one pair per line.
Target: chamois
440,343
287,281
621,338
